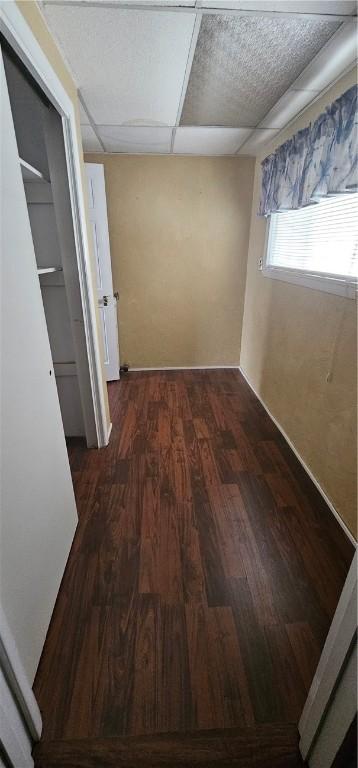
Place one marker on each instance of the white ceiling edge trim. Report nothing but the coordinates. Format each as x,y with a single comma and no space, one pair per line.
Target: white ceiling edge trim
189,64
162,154
40,4
301,112
201,10
90,118
215,127
348,34
135,126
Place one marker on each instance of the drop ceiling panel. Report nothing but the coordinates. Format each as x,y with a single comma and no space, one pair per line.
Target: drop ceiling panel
89,140
134,140
242,65
129,64
209,141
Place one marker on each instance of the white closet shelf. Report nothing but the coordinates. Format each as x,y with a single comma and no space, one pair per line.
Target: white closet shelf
48,270
29,173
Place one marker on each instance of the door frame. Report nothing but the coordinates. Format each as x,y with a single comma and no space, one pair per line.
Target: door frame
20,37
330,705
98,208
21,721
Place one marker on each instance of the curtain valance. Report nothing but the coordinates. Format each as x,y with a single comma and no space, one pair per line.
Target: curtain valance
318,161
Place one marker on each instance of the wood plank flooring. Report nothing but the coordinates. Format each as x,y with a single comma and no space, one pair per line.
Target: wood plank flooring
202,580
270,746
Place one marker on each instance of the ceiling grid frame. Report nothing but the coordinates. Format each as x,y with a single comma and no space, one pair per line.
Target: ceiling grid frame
189,63
317,93
90,118
198,9
346,20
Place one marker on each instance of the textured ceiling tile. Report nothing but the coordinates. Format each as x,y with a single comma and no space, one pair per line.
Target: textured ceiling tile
89,140
242,65
129,64
132,140
209,141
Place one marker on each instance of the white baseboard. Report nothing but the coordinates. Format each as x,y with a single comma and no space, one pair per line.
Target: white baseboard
187,368
304,465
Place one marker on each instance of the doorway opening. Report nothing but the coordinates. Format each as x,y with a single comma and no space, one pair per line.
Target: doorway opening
39,131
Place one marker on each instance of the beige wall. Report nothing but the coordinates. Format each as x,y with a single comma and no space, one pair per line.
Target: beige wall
292,338
39,28
179,234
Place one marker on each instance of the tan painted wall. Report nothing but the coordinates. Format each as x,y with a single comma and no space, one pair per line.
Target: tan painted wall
179,235
40,30
292,338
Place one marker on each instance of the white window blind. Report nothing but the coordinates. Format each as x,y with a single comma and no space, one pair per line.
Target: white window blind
321,239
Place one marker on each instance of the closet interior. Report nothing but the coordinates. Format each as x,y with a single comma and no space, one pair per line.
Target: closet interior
43,165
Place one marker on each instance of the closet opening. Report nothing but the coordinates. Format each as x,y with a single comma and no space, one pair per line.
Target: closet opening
39,130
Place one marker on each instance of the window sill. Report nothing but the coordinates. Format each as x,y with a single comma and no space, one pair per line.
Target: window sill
316,282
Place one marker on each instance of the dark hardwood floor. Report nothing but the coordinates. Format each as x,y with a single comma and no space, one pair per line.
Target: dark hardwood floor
201,583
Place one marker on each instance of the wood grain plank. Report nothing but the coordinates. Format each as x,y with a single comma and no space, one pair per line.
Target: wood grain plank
174,699
267,706
146,686
306,650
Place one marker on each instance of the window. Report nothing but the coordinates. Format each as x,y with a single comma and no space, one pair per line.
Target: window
316,246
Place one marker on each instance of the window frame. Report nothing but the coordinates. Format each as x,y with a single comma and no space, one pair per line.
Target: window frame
341,286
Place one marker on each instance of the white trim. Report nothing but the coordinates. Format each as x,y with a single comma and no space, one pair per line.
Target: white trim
14,672
323,283
186,368
339,717
199,10
304,465
15,740
85,275
109,432
189,64
164,154
337,649
19,35
86,110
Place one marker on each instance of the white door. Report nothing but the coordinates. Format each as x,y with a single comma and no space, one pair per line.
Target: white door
37,506
107,300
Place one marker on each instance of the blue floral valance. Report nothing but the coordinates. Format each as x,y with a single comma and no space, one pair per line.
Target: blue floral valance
318,161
